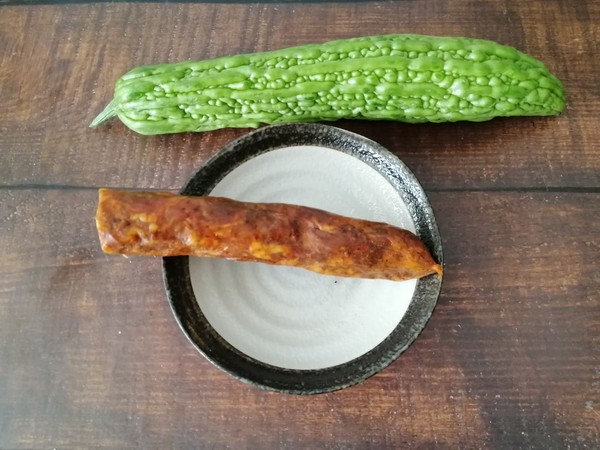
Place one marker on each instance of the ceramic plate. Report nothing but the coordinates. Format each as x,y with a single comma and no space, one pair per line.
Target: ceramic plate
285,328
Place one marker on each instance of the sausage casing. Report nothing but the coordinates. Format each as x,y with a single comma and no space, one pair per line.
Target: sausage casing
165,224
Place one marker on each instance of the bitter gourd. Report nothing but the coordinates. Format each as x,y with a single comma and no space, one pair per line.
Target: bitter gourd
408,78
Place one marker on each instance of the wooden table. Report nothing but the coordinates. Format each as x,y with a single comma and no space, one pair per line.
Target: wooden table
90,354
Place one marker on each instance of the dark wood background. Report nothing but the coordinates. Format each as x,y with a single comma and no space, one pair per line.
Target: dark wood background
90,354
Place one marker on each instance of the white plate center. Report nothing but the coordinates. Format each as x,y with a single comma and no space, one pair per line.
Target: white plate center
290,317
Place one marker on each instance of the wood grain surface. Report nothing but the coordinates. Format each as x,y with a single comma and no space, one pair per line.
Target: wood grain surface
90,354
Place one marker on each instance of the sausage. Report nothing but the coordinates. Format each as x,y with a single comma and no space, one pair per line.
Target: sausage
165,224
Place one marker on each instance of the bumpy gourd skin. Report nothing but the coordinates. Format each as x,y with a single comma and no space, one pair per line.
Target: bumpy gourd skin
408,78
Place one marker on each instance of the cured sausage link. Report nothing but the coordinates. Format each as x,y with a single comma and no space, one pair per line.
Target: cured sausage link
165,224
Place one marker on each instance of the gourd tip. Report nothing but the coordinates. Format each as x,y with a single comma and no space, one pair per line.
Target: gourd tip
107,113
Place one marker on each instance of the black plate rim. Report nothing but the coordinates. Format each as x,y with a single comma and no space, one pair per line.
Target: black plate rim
218,351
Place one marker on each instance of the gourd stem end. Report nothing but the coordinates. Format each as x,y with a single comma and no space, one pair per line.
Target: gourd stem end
107,113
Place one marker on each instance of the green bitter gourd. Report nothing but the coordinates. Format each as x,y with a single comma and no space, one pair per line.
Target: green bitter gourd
408,78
